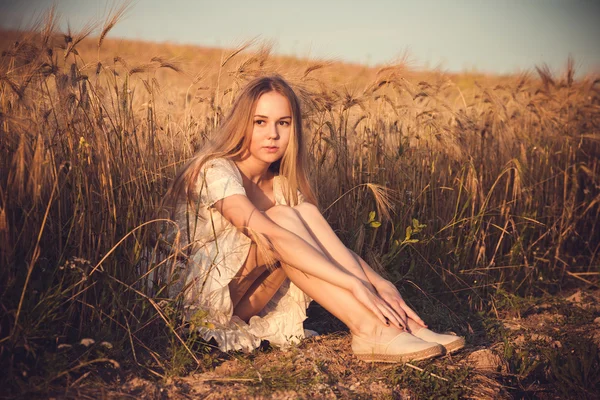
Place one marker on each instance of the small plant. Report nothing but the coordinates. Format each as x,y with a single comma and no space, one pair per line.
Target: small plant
522,362
432,382
398,245
575,368
371,222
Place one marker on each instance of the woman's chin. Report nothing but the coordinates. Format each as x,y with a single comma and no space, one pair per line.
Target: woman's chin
271,158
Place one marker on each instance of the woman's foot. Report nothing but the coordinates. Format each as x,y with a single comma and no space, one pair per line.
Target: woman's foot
401,348
450,342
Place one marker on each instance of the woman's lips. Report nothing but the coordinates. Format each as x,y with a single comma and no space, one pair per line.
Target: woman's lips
271,149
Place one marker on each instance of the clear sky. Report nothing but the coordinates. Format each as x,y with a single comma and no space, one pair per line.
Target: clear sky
498,36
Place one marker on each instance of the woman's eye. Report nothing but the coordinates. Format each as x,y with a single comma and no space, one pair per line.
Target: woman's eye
259,122
284,123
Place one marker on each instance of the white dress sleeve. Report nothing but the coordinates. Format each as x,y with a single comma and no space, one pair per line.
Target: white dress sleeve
219,179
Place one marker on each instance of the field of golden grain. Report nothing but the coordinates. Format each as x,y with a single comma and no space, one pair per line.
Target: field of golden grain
492,185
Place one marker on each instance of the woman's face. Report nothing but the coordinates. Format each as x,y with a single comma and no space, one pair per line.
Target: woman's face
271,127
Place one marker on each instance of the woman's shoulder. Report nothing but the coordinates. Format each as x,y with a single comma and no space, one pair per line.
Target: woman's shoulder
221,166
219,162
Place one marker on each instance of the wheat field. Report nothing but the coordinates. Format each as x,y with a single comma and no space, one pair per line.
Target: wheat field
463,186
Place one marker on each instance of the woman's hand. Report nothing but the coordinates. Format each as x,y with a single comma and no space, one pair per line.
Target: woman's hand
388,292
370,299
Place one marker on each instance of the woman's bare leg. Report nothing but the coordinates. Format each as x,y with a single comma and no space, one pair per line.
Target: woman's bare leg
336,300
321,231
250,271
259,293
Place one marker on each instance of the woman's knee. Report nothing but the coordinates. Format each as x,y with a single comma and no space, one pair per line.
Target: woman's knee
308,210
282,215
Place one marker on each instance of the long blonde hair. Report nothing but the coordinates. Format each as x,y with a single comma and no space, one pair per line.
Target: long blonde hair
233,138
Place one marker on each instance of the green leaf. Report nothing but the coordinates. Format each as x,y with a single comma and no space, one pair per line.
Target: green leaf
417,226
371,216
375,224
408,233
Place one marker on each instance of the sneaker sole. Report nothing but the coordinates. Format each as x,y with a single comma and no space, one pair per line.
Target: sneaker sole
402,358
455,346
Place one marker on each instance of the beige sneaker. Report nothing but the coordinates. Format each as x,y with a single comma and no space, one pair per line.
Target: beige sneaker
451,342
402,348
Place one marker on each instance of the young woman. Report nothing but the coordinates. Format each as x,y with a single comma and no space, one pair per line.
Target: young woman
259,250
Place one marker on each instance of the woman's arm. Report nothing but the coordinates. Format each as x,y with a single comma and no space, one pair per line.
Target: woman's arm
292,249
374,278
388,291
296,252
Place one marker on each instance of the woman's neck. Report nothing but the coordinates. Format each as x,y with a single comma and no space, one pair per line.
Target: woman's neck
254,171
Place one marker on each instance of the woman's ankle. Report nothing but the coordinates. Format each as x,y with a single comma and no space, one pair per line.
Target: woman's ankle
374,329
413,327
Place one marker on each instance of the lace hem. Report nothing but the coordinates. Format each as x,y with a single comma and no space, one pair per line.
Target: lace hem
280,322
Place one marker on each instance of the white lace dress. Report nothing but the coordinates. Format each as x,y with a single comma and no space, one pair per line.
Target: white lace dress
217,251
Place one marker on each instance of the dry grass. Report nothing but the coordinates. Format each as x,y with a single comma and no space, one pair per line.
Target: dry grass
502,171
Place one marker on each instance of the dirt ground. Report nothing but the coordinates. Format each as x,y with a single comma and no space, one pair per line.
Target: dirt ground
506,361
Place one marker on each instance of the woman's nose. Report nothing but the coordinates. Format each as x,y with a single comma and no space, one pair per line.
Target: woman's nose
273,132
